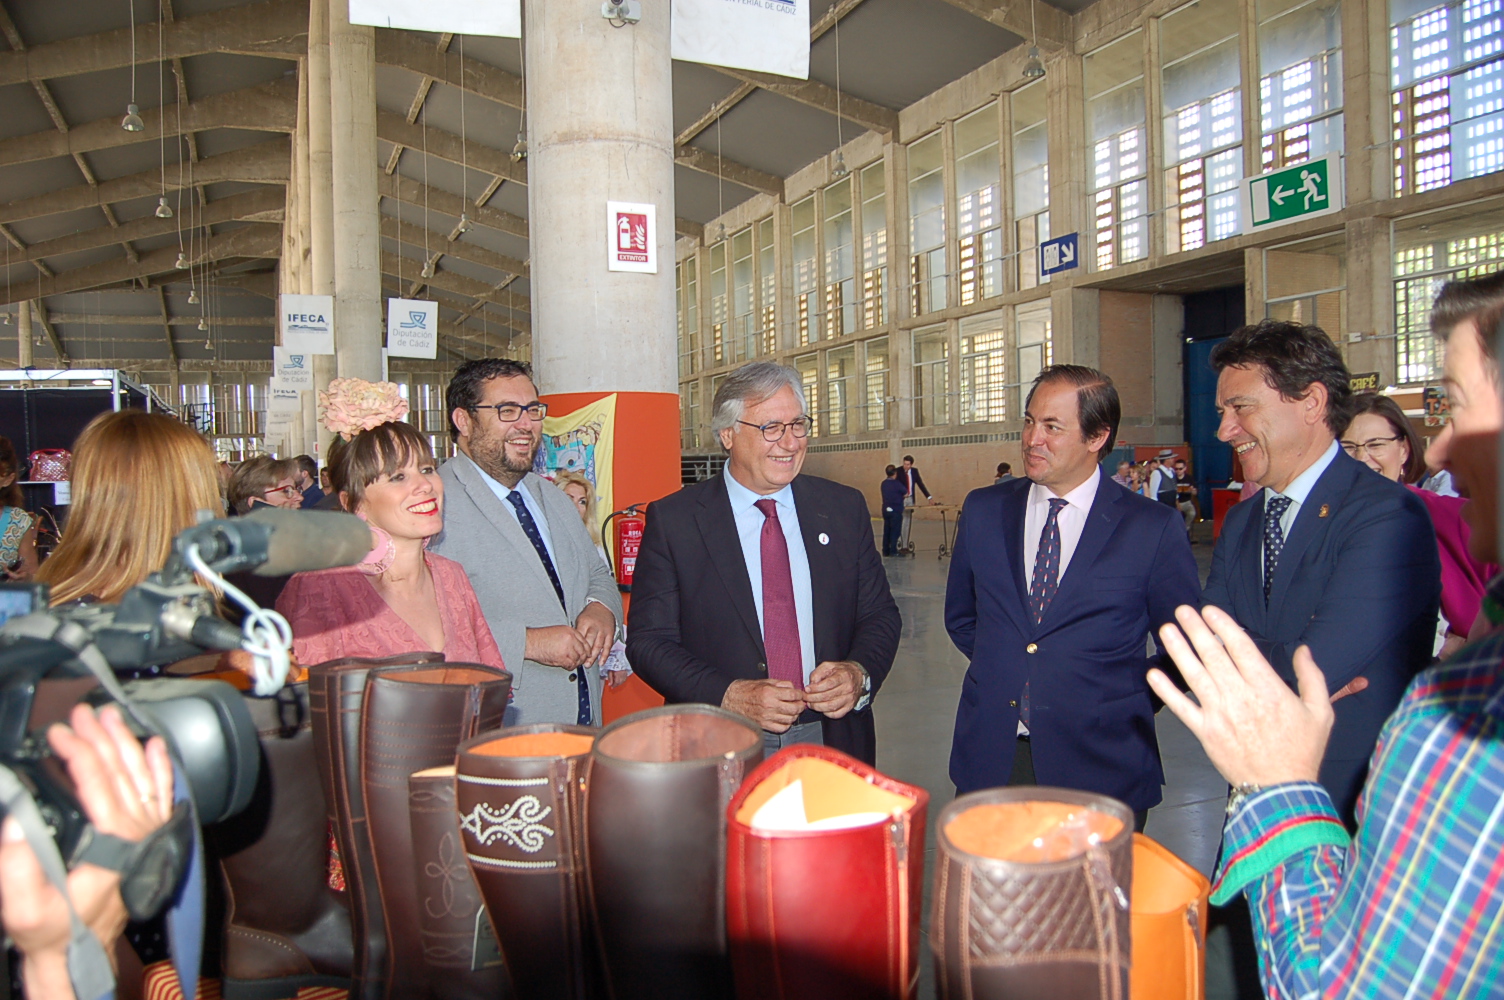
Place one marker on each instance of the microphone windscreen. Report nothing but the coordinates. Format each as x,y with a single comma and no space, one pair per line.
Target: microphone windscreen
304,540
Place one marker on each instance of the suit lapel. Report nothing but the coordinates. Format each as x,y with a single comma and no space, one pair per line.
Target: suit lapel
1310,524
823,571
1101,521
718,530
1248,572
1014,510
501,519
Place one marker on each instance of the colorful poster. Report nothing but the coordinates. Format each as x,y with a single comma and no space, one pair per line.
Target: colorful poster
631,237
765,36
501,18
582,441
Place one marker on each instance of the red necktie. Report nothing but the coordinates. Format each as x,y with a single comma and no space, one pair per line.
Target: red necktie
780,622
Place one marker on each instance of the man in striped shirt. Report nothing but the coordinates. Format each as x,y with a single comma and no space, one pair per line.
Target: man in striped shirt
1413,905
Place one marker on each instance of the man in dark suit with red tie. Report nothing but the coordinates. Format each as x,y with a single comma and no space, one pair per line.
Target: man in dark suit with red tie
1056,581
761,590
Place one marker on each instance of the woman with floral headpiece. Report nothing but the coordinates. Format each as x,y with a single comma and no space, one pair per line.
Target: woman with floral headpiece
404,599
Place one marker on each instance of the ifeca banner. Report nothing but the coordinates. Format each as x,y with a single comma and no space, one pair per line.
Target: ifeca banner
462,17
765,36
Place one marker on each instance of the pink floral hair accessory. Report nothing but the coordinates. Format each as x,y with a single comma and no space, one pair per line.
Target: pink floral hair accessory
352,405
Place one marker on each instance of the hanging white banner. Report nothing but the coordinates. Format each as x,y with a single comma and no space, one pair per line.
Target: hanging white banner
280,400
767,36
462,17
631,237
412,328
291,370
307,323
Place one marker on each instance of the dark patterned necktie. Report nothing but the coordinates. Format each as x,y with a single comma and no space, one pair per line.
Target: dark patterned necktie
530,529
1274,538
1046,563
780,620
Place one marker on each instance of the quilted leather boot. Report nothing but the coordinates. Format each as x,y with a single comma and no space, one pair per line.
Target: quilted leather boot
413,718
1031,896
518,795
655,834
823,885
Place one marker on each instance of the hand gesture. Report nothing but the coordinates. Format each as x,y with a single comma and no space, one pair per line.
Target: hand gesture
773,705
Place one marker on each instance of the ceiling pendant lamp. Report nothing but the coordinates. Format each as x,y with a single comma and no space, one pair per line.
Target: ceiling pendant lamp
182,264
1033,66
193,296
132,121
164,211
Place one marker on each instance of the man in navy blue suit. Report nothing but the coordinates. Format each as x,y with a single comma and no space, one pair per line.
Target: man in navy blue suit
1329,554
1056,581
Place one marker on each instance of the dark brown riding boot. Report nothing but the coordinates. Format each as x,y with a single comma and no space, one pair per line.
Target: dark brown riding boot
460,956
655,831
286,928
1031,896
336,692
414,718
518,794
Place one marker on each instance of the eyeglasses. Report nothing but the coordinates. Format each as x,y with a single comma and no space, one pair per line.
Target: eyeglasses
510,413
1377,447
287,492
773,429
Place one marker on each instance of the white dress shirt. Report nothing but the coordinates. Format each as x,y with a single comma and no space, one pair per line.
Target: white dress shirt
1299,489
1071,519
532,505
749,522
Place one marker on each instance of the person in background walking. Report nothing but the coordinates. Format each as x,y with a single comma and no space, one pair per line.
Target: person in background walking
892,496
1162,479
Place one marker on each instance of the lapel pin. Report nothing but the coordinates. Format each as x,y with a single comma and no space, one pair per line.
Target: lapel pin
825,539
1324,511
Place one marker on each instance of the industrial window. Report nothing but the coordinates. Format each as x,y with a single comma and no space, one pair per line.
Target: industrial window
806,271
927,224
1430,250
1035,346
1300,81
840,265
1031,179
931,376
767,276
743,314
1118,150
874,247
1448,92
689,415
1306,282
979,207
840,391
877,367
808,367
687,292
720,336
984,369
1203,123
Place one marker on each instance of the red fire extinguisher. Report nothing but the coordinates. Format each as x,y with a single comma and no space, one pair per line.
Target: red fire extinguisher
629,525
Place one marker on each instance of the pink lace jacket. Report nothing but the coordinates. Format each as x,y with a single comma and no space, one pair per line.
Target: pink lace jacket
337,613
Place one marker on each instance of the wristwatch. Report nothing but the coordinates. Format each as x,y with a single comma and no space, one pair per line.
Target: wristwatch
1240,794
866,696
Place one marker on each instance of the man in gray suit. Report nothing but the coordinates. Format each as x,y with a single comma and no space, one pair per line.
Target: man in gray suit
549,598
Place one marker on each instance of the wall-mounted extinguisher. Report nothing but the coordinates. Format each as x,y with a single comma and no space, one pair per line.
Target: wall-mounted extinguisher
627,540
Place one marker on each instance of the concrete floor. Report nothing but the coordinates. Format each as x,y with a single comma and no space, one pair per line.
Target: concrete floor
915,714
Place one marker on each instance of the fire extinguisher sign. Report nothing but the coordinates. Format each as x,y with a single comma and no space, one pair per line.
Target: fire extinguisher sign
632,237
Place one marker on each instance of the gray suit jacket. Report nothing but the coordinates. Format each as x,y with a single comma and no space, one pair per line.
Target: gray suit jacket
514,590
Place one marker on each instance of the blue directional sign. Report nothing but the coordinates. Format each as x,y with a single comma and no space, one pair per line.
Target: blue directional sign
1058,255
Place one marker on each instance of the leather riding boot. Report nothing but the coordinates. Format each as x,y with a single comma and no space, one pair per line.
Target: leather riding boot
286,929
460,957
655,833
1031,896
824,878
518,795
336,691
414,718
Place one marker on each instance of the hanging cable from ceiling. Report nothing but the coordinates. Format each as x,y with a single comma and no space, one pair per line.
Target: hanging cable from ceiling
464,224
427,271
519,151
164,211
720,194
132,121
840,169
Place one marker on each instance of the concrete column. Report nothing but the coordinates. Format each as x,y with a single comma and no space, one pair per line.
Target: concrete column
594,331
357,228
320,198
23,334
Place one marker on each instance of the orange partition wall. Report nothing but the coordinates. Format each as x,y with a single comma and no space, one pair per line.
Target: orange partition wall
645,467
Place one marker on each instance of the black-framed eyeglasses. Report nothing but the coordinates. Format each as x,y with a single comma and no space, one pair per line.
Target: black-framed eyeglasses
510,413
286,492
1377,447
773,429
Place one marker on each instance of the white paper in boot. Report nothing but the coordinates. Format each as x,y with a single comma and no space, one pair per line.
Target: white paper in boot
785,811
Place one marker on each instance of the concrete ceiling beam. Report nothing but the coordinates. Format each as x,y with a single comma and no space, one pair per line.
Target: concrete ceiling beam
39,314
1053,25
264,205
107,319
411,192
275,29
737,173
461,285
172,347
440,243
405,50
817,95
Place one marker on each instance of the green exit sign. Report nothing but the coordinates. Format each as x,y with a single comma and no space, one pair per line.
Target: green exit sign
1299,192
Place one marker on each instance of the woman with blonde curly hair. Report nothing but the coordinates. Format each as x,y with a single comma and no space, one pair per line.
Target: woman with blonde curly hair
138,479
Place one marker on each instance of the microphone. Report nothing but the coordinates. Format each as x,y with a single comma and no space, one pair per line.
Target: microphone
274,541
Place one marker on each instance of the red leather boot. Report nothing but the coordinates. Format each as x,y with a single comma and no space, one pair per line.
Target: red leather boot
823,898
